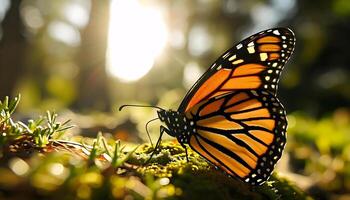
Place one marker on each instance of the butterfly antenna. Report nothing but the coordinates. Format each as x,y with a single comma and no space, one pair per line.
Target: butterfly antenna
142,106
149,136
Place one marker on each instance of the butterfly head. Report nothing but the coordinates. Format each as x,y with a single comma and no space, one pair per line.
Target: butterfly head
161,115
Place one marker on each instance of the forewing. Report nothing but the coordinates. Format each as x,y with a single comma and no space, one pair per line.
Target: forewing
255,63
242,132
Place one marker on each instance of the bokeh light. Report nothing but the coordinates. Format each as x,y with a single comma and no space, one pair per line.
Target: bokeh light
137,34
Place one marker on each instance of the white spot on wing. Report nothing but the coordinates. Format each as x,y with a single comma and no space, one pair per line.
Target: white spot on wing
263,56
276,32
251,44
251,49
237,61
226,54
254,93
239,46
232,58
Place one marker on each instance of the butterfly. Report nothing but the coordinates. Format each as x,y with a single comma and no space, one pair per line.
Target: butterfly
231,115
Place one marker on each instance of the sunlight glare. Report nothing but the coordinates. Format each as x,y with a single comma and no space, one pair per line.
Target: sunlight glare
137,34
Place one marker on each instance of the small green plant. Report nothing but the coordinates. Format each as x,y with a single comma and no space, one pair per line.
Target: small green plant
118,157
96,150
115,155
9,128
41,129
42,134
7,107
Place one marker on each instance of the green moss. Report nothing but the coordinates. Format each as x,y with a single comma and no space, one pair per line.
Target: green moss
167,175
197,179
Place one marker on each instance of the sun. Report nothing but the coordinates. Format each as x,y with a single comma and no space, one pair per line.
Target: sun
137,35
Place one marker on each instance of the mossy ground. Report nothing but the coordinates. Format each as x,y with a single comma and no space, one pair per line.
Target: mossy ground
168,175
197,179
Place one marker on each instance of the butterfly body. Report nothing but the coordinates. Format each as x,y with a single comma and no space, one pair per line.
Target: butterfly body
231,116
177,125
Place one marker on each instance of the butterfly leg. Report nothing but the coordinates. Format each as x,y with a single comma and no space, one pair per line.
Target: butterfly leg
162,130
185,152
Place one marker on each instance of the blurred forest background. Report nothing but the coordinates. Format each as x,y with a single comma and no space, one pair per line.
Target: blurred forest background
85,58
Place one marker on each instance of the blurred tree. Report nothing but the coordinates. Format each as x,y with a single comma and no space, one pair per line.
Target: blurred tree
316,80
12,47
92,80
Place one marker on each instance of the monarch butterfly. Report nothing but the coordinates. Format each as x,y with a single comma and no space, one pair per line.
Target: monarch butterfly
231,115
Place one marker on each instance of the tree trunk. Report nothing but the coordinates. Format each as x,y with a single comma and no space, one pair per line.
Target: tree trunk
92,83
12,47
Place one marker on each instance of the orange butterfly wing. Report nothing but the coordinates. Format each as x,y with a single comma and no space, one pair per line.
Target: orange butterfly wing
241,132
255,63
